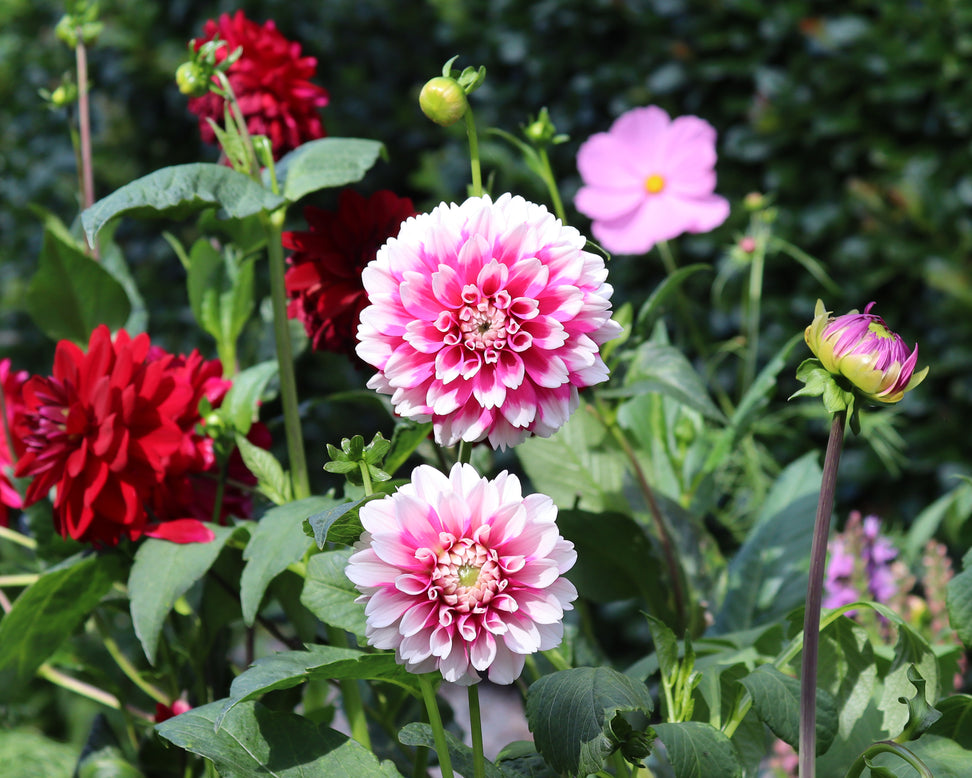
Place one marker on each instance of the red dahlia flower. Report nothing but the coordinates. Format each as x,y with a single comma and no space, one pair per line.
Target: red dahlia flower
11,435
271,83
103,429
324,279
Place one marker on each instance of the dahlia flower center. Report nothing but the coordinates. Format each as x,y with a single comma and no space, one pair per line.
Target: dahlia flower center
654,183
482,325
467,576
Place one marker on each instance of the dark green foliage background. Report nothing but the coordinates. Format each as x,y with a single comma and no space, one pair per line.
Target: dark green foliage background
857,120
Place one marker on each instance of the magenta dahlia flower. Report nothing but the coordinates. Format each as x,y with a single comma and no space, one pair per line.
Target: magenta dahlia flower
486,319
462,574
648,179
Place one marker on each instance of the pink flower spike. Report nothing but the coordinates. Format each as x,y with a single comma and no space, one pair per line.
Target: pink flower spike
486,318
462,574
649,179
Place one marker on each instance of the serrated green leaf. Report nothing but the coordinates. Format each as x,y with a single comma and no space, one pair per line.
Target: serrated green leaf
339,523
699,750
666,646
776,700
180,191
71,293
292,668
921,715
570,714
241,402
329,595
276,541
272,482
417,734
255,740
958,597
163,571
325,163
47,612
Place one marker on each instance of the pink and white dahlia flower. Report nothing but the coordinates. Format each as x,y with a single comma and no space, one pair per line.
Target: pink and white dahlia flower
648,179
463,574
486,318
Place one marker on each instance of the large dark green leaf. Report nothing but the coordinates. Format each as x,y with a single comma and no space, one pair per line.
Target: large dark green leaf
329,595
47,612
71,293
959,600
255,740
326,163
699,750
180,191
162,573
276,541
570,714
776,700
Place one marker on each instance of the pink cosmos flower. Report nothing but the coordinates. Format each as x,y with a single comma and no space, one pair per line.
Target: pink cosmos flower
463,574
649,179
486,319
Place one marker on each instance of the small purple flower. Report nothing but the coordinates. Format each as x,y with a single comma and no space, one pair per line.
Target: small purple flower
860,564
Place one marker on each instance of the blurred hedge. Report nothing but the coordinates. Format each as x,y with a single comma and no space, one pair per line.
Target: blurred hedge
857,120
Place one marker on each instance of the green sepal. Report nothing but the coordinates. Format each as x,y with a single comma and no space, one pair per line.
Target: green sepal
832,389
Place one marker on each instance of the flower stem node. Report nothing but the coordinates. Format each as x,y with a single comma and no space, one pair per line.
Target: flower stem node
80,24
857,357
443,100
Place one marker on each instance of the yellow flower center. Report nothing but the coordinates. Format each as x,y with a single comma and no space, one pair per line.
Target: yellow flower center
654,183
468,575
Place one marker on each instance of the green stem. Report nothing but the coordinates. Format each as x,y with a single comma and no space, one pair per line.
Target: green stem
350,694
476,730
464,452
285,357
621,768
668,259
366,478
681,301
66,681
26,579
125,664
435,722
811,618
889,747
555,658
22,540
477,176
548,179
220,488
753,314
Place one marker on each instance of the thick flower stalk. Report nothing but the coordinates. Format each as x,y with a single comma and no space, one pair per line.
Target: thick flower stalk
862,349
648,179
271,81
324,278
463,574
486,318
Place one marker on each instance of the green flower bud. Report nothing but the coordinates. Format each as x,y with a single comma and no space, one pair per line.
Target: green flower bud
193,79
443,100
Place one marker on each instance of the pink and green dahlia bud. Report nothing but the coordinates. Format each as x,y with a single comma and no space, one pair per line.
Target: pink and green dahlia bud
443,100
861,348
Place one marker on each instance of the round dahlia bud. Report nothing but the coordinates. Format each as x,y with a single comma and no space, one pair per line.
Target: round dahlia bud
193,79
443,100
861,348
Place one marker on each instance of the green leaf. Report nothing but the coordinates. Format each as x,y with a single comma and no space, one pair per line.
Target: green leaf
958,597
520,759
956,719
162,573
944,758
658,368
329,595
416,734
71,293
666,646
26,753
255,740
276,541
699,750
776,700
650,311
220,292
272,481
47,612
292,668
180,191
767,577
580,465
338,523
241,403
407,437
570,714
325,163
921,715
